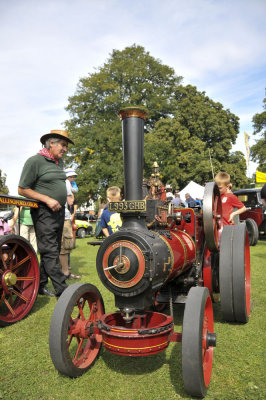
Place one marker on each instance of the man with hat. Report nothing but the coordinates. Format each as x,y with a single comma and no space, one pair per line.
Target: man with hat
43,179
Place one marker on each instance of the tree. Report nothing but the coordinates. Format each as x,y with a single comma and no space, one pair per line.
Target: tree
199,129
258,150
129,77
183,126
3,187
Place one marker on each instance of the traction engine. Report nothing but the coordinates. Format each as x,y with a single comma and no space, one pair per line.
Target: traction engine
160,256
19,267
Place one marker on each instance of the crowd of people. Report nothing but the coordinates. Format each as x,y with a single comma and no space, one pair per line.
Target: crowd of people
49,228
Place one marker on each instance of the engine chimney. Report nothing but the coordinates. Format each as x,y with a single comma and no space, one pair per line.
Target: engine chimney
133,140
133,144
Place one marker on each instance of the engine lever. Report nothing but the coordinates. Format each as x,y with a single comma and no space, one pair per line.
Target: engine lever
120,264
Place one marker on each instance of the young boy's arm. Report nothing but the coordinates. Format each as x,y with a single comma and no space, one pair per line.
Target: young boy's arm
237,212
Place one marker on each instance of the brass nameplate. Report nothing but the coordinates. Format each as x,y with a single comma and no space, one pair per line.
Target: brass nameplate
16,201
127,206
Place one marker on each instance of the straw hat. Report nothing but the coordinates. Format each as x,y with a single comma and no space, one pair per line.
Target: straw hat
56,133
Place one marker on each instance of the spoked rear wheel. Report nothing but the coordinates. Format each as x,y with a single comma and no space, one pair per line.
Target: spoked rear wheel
74,343
19,278
198,341
234,273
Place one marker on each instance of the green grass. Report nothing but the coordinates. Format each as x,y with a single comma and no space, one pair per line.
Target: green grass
27,372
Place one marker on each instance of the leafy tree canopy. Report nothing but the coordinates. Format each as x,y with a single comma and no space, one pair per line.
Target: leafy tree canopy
183,127
3,187
258,150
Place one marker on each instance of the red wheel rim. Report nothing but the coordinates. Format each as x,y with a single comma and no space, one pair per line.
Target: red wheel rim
19,279
207,351
83,345
247,274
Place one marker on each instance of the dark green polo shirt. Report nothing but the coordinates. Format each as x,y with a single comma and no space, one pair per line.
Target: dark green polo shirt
44,176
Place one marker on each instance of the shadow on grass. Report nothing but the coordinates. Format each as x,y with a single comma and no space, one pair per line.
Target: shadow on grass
134,365
40,302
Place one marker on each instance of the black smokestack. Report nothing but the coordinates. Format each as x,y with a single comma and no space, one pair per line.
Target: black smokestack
133,144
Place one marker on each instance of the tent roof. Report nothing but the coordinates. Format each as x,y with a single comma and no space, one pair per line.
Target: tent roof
195,190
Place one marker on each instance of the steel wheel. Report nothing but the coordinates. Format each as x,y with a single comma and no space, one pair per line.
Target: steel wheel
212,216
198,341
226,273
19,278
241,274
253,231
234,273
74,339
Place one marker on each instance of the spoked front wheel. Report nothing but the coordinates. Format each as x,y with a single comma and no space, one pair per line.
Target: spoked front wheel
19,278
198,341
74,338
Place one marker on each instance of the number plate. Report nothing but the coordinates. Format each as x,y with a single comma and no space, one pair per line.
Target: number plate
127,206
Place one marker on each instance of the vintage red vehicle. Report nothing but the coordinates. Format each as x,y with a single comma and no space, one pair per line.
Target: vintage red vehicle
255,215
19,267
159,256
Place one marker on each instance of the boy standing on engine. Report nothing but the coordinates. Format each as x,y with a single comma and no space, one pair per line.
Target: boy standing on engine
230,202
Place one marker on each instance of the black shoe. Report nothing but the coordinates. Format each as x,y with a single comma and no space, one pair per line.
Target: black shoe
46,292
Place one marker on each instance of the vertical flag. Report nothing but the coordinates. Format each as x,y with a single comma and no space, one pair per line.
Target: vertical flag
247,146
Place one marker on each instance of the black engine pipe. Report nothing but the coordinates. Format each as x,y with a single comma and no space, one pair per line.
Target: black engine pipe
133,149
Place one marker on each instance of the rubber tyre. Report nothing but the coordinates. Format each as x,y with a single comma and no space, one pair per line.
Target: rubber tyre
241,274
76,296
226,273
253,231
81,233
21,296
196,358
234,273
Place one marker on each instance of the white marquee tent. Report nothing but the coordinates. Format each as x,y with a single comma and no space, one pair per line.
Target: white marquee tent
195,190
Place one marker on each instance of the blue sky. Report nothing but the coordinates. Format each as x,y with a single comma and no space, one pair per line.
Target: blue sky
46,46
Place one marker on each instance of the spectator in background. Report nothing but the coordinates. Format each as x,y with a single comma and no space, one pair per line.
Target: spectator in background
43,179
190,202
23,217
176,201
169,193
67,237
199,202
71,175
111,221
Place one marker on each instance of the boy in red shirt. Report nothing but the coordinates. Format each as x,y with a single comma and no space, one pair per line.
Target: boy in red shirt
229,200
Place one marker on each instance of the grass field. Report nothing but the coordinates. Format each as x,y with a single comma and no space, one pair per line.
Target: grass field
27,372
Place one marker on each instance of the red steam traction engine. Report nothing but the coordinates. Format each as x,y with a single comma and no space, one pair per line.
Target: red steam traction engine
19,267
158,256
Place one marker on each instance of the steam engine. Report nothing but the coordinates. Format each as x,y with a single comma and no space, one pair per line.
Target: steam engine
159,256
136,262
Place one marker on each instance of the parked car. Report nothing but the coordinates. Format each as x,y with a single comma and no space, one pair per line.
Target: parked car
255,212
83,228
81,216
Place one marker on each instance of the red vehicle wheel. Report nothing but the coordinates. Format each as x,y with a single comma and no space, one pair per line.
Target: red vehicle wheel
19,278
73,345
198,341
